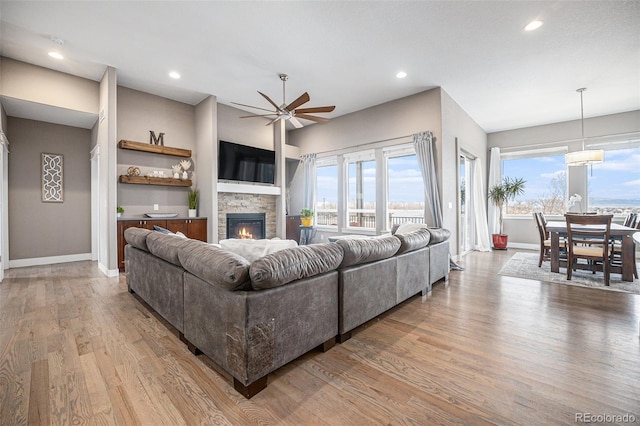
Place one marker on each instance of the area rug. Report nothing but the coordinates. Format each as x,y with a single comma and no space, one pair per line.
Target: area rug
525,265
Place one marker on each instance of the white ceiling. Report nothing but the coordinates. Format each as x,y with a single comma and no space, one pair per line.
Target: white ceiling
347,53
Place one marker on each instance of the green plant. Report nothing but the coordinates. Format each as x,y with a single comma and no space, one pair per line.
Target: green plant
502,193
119,209
306,213
192,198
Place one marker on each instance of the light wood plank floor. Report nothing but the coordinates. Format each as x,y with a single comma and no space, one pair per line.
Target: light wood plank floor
76,347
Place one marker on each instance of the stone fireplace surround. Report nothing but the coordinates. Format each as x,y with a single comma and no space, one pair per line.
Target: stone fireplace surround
229,202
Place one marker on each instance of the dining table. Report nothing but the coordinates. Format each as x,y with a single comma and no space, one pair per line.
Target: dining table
618,232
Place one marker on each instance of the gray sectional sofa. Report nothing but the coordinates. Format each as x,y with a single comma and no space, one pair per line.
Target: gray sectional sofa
252,318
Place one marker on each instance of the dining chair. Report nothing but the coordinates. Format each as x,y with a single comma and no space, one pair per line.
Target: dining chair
545,238
616,244
588,239
630,220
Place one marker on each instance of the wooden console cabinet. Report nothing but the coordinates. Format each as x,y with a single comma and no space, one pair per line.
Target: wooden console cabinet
192,228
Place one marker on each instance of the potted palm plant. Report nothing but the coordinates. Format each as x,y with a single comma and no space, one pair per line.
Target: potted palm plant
500,195
306,217
192,198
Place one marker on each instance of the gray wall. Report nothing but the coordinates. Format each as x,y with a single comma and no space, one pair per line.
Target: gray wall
38,229
245,131
456,123
48,87
139,112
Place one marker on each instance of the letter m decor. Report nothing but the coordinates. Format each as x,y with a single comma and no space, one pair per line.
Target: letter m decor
153,140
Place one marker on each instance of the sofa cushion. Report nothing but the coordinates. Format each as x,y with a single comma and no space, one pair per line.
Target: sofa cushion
439,235
217,266
357,251
137,237
253,250
413,240
293,264
166,246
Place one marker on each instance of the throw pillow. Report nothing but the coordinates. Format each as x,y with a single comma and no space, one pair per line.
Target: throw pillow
161,229
408,227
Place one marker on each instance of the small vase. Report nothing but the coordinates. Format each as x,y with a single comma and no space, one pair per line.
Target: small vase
176,175
306,221
193,213
185,176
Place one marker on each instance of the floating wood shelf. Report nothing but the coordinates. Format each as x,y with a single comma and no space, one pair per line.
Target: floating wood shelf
158,149
144,180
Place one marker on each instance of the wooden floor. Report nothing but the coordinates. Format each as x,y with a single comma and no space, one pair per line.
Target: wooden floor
76,347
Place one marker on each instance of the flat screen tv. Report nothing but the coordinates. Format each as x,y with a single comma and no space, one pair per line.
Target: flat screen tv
245,163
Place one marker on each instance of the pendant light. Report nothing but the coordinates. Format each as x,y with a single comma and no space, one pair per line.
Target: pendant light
584,157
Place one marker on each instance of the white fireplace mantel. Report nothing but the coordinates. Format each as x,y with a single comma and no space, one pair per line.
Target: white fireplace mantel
243,188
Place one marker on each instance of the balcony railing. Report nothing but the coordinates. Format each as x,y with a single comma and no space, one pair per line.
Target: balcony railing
363,220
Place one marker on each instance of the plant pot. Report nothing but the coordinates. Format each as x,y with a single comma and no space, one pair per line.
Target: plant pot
306,221
193,213
499,241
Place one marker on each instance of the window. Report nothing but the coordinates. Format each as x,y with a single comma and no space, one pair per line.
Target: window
370,190
361,190
327,191
405,188
545,174
614,185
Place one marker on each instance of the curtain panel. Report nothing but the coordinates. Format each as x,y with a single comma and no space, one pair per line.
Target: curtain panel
425,152
309,170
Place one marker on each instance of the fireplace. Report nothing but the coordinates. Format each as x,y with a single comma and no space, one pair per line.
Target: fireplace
246,225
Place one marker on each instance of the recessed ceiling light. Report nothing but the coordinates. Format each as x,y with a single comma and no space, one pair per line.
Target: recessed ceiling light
401,74
533,25
56,55
174,75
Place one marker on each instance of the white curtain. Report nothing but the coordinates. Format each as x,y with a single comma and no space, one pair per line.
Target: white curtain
424,146
482,241
309,170
495,177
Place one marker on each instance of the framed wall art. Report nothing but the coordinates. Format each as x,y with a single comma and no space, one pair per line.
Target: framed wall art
52,178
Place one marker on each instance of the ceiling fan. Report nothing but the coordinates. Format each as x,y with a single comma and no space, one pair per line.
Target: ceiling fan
291,111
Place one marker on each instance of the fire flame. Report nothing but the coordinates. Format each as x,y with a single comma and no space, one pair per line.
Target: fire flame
243,234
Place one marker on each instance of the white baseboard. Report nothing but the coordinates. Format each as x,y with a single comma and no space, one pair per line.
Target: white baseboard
108,272
524,246
37,261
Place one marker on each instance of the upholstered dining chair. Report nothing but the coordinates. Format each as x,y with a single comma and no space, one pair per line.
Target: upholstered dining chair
588,239
545,238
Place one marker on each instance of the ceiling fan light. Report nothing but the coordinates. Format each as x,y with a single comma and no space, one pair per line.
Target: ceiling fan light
401,74
582,158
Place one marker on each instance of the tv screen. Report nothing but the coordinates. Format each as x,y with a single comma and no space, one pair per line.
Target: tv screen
245,163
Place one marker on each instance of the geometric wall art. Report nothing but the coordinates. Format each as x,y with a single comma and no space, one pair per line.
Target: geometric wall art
52,178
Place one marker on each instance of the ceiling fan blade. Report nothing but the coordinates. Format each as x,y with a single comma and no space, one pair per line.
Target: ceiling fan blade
257,115
251,106
302,99
297,124
272,121
312,118
315,109
270,101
